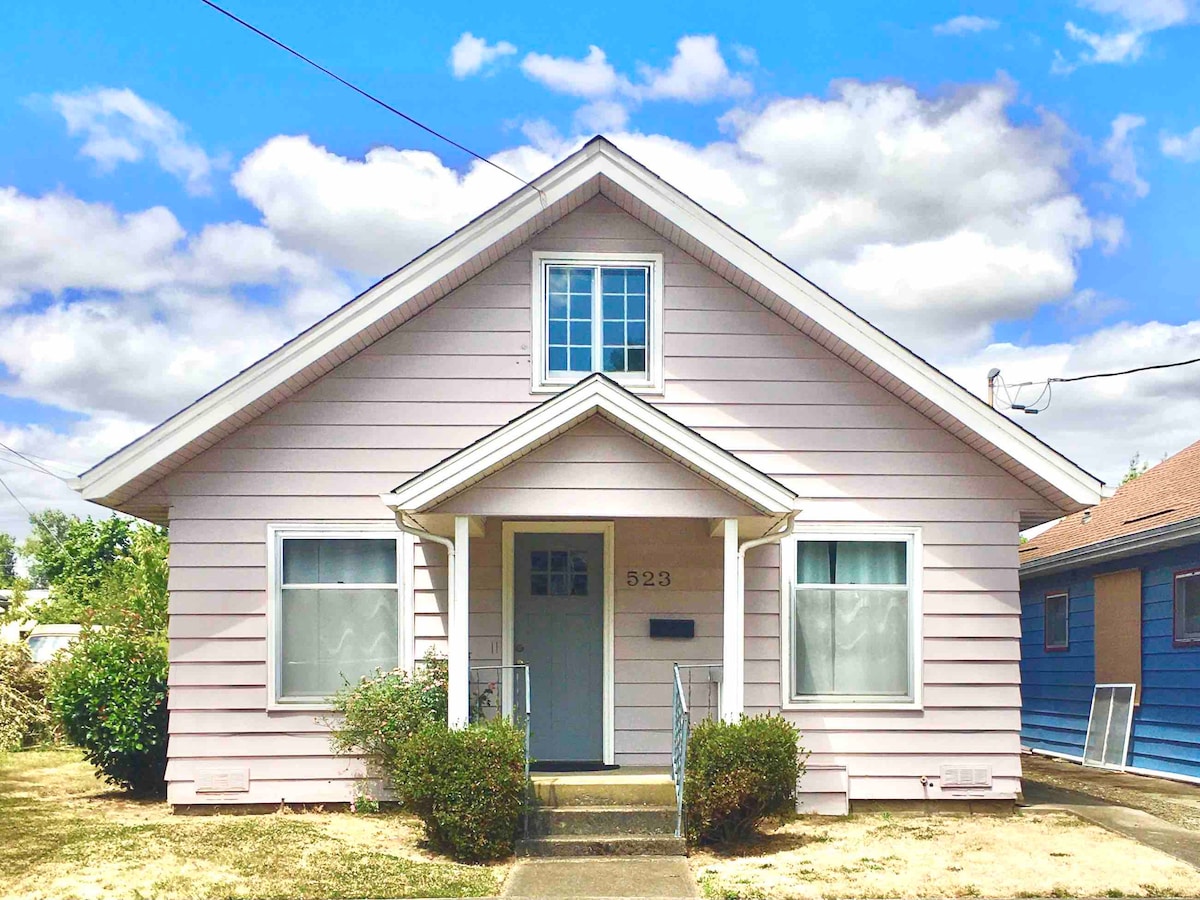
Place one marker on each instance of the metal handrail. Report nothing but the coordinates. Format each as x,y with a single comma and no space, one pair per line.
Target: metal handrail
527,713
681,729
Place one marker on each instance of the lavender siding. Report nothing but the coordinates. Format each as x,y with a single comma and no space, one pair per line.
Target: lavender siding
736,373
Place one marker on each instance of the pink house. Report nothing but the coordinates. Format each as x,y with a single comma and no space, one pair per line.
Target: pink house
598,431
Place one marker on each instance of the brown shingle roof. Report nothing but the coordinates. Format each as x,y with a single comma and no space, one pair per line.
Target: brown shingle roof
1163,495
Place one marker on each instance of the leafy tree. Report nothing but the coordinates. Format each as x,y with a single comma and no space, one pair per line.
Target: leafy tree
8,560
102,570
1137,466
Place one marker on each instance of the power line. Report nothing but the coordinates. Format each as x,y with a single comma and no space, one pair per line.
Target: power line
29,460
354,87
4,484
1172,365
12,462
995,379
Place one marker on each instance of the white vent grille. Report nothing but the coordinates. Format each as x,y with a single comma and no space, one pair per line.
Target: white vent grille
222,781
966,777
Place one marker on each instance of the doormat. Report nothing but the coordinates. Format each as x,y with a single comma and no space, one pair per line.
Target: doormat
570,765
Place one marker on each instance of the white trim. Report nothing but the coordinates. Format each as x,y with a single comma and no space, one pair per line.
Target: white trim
276,534
508,532
787,569
408,602
458,637
596,393
541,381
733,629
595,159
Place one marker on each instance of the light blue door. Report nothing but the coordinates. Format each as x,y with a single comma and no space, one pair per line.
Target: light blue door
558,630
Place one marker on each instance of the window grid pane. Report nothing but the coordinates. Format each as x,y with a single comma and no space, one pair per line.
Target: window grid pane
1187,608
851,632
1056,625
623,308
569,318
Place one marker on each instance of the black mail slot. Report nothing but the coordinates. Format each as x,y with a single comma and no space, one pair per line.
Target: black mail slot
672,628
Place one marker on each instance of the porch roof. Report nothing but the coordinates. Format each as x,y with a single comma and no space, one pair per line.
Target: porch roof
594,395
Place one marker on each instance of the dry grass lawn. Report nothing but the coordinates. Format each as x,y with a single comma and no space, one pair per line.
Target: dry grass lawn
1046,855
64,835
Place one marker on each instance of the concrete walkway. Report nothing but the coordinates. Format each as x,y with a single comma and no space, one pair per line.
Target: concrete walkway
1182,843
595,878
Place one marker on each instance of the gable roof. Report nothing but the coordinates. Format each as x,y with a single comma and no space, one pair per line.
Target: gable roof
596,168
1145,511
595,395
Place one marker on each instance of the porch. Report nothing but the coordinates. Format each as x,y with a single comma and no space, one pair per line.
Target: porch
597,541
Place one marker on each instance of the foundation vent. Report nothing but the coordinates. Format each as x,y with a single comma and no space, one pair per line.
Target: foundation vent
966,777
222,781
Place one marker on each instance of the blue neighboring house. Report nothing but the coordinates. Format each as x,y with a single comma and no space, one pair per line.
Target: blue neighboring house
1112,595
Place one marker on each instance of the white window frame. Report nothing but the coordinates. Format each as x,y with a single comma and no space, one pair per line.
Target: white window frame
405,637
911,535
652,382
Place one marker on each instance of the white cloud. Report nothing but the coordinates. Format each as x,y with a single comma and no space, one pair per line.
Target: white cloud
601,116
1182,146
1134,21
1118,152
961,25
591,77
696,73
118,126
470,54
747,56
1101,423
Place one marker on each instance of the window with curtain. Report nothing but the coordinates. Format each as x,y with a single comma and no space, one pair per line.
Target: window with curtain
596,316
1187,607
851,620
1056,622
337,611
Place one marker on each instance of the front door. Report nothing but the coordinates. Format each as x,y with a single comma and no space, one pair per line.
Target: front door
558,630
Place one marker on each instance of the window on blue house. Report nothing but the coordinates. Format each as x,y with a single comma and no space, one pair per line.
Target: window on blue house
1058,617
597,315
1187,607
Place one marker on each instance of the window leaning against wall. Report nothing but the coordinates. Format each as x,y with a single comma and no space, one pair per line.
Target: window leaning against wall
853,619
335,612
1187,607
1057,621
597,313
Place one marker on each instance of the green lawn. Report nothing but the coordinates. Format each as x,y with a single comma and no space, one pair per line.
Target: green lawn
63,834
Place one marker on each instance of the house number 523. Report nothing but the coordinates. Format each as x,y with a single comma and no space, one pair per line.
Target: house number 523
634,578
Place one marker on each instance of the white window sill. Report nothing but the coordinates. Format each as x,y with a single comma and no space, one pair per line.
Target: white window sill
298,706
558,386
850,706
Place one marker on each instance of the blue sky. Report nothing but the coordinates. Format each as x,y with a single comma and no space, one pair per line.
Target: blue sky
177,196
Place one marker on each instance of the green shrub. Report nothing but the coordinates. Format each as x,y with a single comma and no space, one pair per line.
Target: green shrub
380,713
110,694
739,773
467,785
25,717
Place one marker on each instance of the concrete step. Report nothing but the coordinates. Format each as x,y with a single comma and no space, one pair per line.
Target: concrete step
603,789
551,821
602,845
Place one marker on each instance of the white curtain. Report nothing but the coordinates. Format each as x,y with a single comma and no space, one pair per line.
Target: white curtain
849,640
333,636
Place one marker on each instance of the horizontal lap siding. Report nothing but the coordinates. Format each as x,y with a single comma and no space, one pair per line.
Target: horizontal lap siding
1058,686
738,375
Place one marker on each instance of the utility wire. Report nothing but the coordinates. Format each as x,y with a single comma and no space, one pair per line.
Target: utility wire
354,87
1133,371
12,462
4,484
36,465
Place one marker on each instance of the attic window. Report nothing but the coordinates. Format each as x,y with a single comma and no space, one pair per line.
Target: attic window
1161,512
597,313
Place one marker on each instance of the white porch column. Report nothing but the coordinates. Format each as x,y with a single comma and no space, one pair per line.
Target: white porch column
733,680
457,638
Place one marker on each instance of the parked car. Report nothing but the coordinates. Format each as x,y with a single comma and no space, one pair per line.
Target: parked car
46,640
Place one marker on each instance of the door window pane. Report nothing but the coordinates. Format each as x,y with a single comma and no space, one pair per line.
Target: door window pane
851,619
